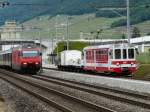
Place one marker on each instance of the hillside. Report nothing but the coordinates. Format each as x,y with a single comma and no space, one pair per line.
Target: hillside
86,23
21,10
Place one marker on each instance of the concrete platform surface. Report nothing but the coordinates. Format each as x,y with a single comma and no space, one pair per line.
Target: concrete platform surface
129,84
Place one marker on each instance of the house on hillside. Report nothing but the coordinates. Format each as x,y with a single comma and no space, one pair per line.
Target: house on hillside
10,31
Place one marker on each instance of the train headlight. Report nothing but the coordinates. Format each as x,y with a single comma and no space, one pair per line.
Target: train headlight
132,63
25,63
117,64
36,63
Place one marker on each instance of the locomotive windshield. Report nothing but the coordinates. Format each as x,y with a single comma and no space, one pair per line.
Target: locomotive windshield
30,53
124,53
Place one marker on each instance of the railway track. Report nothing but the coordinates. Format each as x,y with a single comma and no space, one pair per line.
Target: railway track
57,99
124,96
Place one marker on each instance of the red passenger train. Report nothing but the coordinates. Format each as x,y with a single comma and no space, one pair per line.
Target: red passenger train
119,59
25,58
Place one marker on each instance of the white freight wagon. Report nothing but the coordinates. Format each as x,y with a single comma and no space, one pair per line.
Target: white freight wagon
70,59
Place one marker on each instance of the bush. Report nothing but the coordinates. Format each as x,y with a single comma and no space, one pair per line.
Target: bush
72,46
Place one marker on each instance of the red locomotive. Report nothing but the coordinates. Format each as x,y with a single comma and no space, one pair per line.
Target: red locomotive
119,59
26,58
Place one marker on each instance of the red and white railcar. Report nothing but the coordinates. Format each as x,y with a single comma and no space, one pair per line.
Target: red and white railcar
119,59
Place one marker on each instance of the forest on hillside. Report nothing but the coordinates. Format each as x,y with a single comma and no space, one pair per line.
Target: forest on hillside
21,10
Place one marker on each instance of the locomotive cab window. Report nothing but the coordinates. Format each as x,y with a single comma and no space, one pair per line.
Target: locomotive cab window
117,53
30,53
131,53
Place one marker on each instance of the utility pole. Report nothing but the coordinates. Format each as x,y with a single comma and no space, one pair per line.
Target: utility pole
40,39
128,22
52,53
67,32
56,36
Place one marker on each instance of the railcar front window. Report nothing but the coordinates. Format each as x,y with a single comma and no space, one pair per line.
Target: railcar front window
111,54
117,54
30,53
124,54
131,53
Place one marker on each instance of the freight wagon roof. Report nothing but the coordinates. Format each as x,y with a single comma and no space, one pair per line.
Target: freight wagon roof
70,51
115,46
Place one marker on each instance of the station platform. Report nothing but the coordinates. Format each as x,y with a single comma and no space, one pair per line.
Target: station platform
114,82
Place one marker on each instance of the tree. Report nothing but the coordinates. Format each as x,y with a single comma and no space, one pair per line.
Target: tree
123,36
136,32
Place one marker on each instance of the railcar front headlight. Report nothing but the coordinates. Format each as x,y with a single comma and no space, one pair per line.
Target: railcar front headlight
36,63
132,63
118,64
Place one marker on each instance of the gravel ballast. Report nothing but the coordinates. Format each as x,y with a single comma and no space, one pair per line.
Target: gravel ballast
19,101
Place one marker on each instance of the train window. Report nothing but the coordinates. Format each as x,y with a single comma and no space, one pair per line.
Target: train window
111,54
124,54
20,54
30,53
131,53
40,53
117,53
137,51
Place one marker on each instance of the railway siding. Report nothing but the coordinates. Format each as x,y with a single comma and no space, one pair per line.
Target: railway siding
66,96
17,100
127,84
47,94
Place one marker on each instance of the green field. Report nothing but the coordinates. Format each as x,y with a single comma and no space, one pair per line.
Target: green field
86,23
144,58
143,72
143,66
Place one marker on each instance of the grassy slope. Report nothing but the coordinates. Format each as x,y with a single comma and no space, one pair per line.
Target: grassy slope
143,72
144,66
77,24
80,23
144,58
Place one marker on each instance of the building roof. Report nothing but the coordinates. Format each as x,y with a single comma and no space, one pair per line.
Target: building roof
115,46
